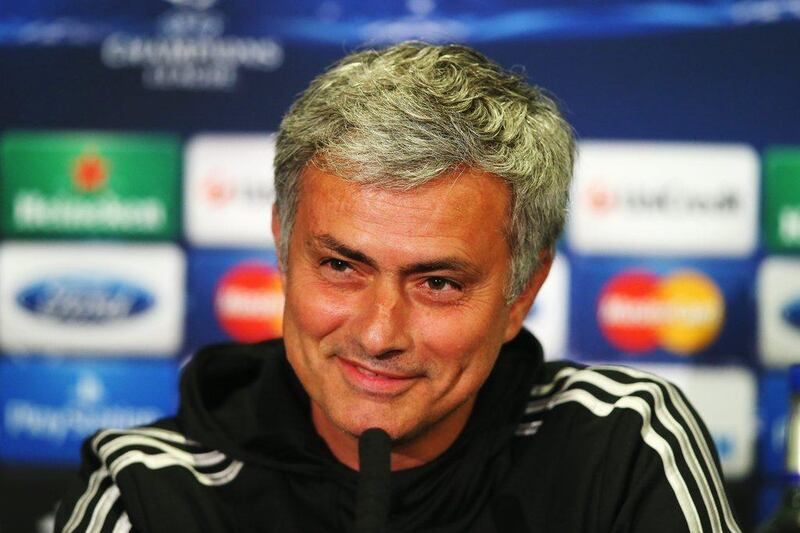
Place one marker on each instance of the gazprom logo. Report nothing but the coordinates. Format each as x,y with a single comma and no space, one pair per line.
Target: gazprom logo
84,299
791,313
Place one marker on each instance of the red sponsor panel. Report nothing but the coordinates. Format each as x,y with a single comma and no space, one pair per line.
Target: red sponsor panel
627,309
248,302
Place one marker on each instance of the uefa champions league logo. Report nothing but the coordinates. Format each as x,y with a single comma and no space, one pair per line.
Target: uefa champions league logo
190,50
200,5
191,19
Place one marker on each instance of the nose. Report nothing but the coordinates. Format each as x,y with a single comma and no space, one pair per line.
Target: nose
380,327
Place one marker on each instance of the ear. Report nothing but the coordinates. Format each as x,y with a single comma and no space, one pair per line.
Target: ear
276,227
276,237
522,305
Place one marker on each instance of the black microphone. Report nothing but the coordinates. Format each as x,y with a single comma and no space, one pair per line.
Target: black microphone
374,474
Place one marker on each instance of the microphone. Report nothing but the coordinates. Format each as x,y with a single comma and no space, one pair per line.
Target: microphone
374,473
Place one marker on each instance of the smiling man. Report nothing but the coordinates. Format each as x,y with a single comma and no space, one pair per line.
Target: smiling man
420,191
409,310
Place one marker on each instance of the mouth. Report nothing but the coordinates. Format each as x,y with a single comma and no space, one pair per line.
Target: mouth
374,381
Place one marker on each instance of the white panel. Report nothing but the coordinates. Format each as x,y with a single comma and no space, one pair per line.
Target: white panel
80,298
725,398
665,198
548,316
228,190
778,290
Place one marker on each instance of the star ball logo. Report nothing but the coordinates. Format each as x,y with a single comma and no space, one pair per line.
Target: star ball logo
249,302
682,312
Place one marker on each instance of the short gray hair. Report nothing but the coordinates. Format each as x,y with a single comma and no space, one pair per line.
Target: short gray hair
401,116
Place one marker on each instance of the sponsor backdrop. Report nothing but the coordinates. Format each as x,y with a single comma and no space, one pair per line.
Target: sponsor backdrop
136,142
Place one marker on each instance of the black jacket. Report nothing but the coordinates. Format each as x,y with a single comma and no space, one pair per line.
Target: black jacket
550,447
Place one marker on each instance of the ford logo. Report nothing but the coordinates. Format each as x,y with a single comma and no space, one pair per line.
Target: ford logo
83,299
791,313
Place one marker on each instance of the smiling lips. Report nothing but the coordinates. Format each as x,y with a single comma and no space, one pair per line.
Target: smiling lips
376,382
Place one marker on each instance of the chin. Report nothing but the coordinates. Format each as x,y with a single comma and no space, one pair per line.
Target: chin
355,425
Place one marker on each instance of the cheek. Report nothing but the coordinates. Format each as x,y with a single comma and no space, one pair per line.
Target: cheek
462,341
312,310
466,324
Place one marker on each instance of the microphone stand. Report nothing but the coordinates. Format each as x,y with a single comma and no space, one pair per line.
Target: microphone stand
374,477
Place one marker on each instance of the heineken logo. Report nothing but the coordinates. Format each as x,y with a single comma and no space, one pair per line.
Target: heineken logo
90,173
89,184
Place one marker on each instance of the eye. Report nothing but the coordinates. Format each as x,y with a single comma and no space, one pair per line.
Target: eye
438,284
337,265
440,290
339,272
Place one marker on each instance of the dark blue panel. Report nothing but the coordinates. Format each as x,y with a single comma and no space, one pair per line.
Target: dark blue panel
734,342
207,271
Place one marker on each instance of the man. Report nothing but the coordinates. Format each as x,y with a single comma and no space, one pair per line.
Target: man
420,191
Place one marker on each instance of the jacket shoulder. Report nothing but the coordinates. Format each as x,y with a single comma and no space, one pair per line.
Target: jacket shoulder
633,421
118,464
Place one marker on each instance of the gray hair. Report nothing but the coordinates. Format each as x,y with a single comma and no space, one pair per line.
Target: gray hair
401,116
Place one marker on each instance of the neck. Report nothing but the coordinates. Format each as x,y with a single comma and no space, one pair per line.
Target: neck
406,453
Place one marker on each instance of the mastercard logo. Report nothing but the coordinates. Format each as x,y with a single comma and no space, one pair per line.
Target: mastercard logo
682,312
248,302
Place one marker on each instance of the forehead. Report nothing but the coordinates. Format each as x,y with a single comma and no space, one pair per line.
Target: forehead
455,219
463,198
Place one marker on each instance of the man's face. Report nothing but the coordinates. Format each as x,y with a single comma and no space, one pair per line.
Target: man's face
395,307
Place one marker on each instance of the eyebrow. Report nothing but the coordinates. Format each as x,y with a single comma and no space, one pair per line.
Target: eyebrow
331,243
445,263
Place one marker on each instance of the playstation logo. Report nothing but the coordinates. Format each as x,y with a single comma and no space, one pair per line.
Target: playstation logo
89,390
